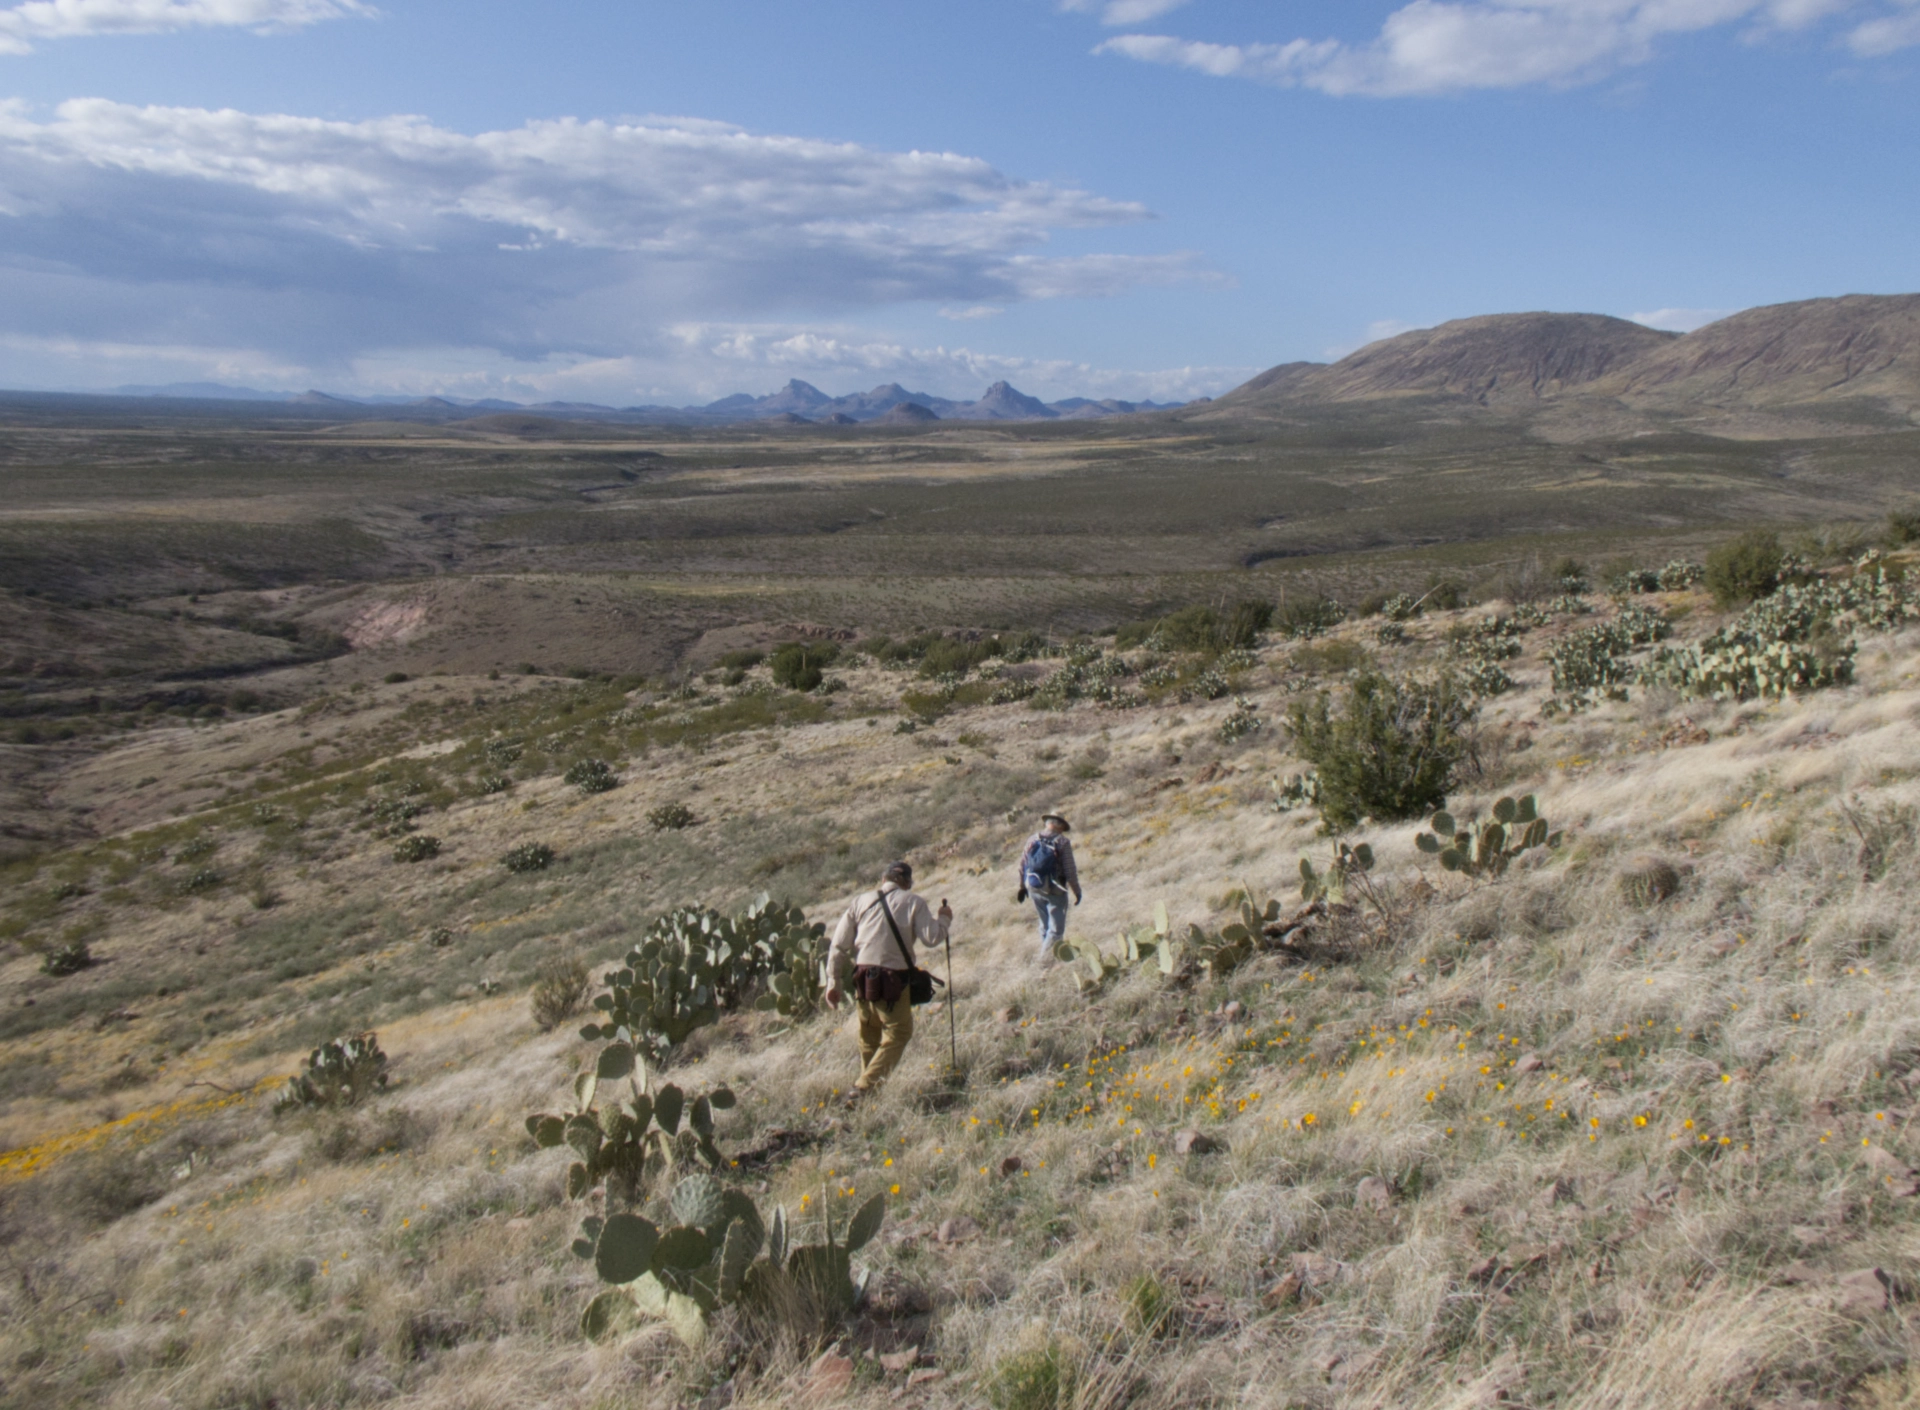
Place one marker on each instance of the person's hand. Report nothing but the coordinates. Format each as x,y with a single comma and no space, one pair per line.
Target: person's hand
1076,898
946,911
1020,895
833,996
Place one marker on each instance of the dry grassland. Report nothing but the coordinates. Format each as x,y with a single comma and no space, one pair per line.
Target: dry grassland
1545,1140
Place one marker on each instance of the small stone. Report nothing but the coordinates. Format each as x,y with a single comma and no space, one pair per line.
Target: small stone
958,1229
1010,1167
1234,1012
1862,1293
1372,1193
1010,1014
1811,1235
892,1298
1191,1142
719,1398
1283,1292
1529,1062
1483,1271
1798,1272
520,1222
1899,1180
925,1378
899,1361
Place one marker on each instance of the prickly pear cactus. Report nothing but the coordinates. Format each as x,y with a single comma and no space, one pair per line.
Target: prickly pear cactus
695,964
1331,885
719,1252
341,1073
1486,849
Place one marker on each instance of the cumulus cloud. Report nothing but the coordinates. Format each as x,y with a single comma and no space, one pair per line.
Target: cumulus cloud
21,26
318,242
1448,46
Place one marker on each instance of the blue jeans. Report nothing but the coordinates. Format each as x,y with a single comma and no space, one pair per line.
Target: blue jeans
1052,906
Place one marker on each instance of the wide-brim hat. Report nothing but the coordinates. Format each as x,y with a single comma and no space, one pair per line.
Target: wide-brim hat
1065,826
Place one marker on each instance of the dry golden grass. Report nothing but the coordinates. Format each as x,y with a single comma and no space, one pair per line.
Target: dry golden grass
1624,1151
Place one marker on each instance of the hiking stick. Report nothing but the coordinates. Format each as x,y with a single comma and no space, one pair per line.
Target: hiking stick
953,1036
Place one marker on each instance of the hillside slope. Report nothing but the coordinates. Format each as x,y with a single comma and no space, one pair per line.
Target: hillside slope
1537,1140
1809,355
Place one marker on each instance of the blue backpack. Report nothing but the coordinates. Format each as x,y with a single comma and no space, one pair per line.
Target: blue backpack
1042,866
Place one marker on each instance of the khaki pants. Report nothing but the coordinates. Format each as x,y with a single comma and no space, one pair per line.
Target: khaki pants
884,1034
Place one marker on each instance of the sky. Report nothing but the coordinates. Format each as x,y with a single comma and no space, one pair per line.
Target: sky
626,202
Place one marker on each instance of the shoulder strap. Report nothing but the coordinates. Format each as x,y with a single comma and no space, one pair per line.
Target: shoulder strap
887,911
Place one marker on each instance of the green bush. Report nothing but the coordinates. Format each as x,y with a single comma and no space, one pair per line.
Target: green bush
802,665
1304,618
559,988
742,660
1391,751
68,957
592,776
1744,569
670,817
1040,1379
1903,525
528,856
418,847
1200,628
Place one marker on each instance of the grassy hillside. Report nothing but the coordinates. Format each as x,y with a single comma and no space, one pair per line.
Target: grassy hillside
1626,1126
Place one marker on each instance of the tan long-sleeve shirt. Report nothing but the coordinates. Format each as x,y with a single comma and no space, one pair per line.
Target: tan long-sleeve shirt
863,936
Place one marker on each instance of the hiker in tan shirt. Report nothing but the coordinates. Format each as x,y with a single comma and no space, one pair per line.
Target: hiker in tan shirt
874,947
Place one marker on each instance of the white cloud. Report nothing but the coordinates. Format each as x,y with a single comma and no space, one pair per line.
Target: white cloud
1446,46
978,311
1888,32
1119,12
321,245
1681,320
21,26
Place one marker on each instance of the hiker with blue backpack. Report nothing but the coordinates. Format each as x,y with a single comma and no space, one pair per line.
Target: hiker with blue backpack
1047,874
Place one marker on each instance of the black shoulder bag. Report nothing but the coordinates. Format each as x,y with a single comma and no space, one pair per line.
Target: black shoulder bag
920,982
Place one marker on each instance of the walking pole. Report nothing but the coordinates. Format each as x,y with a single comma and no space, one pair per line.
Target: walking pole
953,1040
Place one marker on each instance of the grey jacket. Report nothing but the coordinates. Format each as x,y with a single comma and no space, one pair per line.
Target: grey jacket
863,936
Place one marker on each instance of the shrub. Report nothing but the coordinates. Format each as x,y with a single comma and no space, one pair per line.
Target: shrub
494,783
744,660
1040,1379
559,987
1744,569
68,957
1392,750
1304,618
528,856
1446,595
801,665
953,656
204,879
670,817
592,776
1903,525
394,677
420,847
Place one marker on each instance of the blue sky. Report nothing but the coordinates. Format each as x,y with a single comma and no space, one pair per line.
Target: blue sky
634,202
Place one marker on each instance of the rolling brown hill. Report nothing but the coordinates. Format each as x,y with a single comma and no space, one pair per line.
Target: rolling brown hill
1815,352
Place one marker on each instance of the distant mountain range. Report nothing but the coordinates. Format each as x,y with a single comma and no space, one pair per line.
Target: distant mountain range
797,403
1806,358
